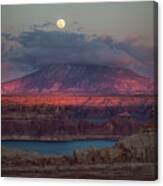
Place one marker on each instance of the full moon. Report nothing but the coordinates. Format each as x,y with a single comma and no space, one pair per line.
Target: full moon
61,23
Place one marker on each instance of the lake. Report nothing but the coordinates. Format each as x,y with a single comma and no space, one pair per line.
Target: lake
57,147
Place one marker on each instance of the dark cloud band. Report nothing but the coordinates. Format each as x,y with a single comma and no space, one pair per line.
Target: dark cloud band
39,48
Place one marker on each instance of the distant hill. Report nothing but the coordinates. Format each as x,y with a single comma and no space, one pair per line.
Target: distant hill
80,79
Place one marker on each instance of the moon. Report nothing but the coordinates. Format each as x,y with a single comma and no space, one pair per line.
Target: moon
61,23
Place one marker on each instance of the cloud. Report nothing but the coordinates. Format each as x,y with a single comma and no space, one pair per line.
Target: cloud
47,25
138,48
14,70
39,48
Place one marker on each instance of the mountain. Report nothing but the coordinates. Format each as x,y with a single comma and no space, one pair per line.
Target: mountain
81,79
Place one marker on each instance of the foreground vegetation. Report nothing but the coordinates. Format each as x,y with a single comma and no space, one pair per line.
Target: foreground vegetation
134,157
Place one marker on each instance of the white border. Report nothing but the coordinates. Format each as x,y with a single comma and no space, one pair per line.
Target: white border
58,1
74,182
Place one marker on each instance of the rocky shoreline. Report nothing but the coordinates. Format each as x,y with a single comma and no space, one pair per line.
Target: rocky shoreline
61,138
133,157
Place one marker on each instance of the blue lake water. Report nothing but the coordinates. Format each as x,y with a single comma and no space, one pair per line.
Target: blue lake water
58,148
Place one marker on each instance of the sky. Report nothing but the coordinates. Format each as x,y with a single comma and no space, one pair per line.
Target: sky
116,34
